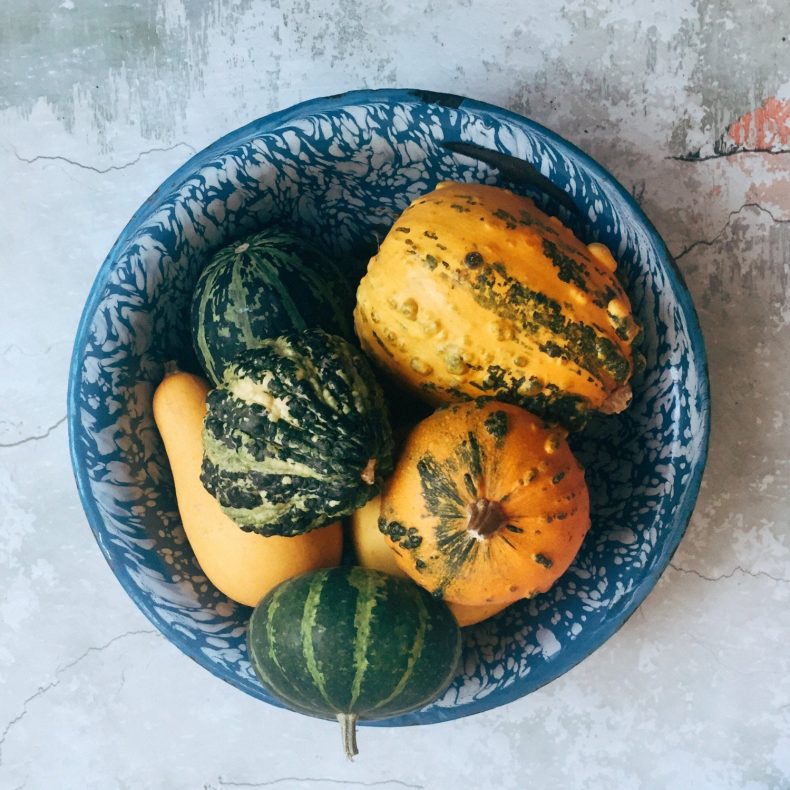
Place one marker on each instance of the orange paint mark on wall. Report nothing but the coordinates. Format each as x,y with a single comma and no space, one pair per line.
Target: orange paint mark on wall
766,128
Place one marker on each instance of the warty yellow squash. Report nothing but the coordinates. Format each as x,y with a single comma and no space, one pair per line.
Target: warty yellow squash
476,292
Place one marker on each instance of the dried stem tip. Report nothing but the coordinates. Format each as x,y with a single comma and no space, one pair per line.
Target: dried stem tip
348,727
485,517
368,474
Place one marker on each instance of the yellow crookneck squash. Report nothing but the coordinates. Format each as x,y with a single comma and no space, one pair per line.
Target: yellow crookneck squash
242,565
476,292
487,504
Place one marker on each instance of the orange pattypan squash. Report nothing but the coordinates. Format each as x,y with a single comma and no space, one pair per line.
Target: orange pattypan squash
372,550
487,504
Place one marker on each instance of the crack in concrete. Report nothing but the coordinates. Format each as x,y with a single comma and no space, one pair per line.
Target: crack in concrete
40,692
300,779
728,154
93,649
58,672
731,215
101,170
736,569
36,437
6,350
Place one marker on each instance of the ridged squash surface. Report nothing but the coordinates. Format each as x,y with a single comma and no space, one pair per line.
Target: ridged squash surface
487,504
297,435
476,292
258,288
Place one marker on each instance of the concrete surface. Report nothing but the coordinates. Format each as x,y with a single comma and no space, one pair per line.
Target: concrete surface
687,103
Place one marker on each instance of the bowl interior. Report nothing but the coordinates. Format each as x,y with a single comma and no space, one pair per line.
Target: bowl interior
339,170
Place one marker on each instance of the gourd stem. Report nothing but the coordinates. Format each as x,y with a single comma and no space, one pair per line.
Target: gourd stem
485,517
618,401
368,474
348,728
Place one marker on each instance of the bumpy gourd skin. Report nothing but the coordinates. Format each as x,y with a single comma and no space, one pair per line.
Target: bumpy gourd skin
486,505
297,435
476,292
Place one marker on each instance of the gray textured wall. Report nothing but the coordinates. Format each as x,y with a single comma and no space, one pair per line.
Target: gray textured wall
687,103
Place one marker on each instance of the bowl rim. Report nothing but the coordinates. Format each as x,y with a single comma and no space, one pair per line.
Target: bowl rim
270,122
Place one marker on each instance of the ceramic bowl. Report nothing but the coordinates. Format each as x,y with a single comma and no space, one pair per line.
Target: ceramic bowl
340,169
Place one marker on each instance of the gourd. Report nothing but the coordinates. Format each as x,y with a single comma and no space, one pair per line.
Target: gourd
476,292
269,283
297,435
487,504
353,643
372,550
241,565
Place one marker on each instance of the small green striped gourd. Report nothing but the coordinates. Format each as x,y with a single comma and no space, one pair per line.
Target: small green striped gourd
353,643
297,434
268,284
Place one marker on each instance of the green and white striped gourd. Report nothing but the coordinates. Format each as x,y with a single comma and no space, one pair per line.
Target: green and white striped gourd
354,644
268,284
297,434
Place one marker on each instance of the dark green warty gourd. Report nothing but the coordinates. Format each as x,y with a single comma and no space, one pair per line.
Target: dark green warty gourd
268,284
297,435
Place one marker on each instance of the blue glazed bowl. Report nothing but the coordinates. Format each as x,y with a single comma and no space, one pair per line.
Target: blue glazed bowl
340,170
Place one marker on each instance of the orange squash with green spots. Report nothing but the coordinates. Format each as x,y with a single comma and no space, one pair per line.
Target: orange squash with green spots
476,292
372,550
487,504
